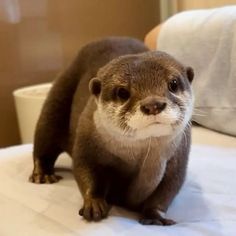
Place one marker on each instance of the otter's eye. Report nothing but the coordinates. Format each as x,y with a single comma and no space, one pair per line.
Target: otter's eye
122,94
173,86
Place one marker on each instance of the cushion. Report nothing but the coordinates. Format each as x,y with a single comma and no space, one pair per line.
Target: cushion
206,41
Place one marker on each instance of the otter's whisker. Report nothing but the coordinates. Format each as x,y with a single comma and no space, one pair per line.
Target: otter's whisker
185,138
148,151
195,114
174,144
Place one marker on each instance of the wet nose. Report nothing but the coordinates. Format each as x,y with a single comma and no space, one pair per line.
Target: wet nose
153,108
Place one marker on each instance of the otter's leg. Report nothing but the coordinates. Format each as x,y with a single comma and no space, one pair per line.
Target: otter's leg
93,184
156,205
46,151
51,136
43,171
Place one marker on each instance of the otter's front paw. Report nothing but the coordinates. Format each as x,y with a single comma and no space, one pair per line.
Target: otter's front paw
44,178
94,209
153,217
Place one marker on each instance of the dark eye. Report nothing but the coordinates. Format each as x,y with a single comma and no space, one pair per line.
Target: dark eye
173,85
122,94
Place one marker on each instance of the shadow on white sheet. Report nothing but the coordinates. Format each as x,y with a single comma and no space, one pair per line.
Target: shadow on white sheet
206,205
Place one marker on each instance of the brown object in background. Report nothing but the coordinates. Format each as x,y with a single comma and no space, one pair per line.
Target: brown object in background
39,38
151,38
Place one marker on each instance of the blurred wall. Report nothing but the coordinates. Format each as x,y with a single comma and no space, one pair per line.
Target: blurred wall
38,38
171,7
195,4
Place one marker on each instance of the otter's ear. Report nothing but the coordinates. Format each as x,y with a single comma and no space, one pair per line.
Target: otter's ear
190,74
95,86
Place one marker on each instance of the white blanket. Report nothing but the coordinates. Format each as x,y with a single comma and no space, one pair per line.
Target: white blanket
206,40
206,205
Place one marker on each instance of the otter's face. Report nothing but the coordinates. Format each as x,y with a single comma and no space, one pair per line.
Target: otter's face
145,95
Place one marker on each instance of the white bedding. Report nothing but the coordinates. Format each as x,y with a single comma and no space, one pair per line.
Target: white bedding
206,205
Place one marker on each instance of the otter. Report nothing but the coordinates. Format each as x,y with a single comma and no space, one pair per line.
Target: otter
122,113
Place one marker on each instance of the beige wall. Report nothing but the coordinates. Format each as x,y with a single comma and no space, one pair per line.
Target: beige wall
39,37
170,7
193,4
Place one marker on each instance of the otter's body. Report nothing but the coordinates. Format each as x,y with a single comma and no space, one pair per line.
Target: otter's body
129,138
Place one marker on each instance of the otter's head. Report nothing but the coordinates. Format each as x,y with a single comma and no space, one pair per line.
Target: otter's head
144,95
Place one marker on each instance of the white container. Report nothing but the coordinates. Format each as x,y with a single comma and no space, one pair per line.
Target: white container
29,101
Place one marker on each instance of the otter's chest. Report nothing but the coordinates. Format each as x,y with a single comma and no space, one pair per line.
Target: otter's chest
147,165
134,154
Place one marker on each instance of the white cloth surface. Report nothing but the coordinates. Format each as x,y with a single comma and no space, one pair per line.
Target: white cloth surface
205,206
206,41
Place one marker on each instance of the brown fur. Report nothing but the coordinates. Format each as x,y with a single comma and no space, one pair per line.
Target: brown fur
106,176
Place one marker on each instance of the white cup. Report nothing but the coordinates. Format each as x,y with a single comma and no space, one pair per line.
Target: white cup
29,101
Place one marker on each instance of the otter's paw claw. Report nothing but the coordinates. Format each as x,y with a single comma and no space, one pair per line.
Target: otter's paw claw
161,221
44,179
94,209
152,216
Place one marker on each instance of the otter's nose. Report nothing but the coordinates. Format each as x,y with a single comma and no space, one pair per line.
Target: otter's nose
153,108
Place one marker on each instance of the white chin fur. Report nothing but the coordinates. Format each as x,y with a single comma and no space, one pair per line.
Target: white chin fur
146,131
143,126
140,121
154,130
